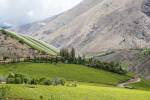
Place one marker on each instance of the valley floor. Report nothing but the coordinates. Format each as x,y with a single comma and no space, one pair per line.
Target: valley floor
93,84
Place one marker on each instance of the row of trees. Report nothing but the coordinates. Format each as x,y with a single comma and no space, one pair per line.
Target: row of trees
109,66
69,56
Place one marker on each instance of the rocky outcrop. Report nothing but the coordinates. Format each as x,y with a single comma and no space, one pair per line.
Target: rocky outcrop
146,7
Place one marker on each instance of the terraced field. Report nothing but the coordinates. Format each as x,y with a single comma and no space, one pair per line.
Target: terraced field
36,44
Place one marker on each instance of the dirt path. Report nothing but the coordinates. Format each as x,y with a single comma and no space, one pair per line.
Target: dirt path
133,80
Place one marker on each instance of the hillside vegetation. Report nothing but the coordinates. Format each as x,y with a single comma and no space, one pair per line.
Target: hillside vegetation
70,72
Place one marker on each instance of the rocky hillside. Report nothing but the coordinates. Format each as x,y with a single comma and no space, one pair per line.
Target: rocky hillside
99,25
33,27
136,60
12,46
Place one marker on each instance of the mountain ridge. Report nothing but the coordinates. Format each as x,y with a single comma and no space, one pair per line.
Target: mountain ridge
121,24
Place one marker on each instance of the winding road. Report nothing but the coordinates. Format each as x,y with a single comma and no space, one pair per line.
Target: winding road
133,80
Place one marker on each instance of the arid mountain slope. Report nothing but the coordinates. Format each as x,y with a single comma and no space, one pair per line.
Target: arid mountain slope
100,25
52,24
33,27
12,48
129,57
137,61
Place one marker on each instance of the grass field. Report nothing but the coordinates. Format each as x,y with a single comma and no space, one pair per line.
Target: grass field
70,72
93,84
82,92
36,44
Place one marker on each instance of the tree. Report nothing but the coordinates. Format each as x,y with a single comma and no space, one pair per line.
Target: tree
65,55
79,60
72,53
56,60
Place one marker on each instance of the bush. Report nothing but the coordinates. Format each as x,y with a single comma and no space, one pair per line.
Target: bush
10,80
44,81
62,81
26,80
47,82
34,81
41,80
11,75
18,80
58,81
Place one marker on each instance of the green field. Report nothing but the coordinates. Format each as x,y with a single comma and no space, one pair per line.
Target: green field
70,72
82,92
93,84
36,44
143,85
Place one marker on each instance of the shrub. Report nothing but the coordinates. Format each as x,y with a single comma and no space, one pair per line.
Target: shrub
41,80
62,81
58,81
18,80
47,82
26,80
55,81
11,75
44,81
18,75
34,81
10,80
